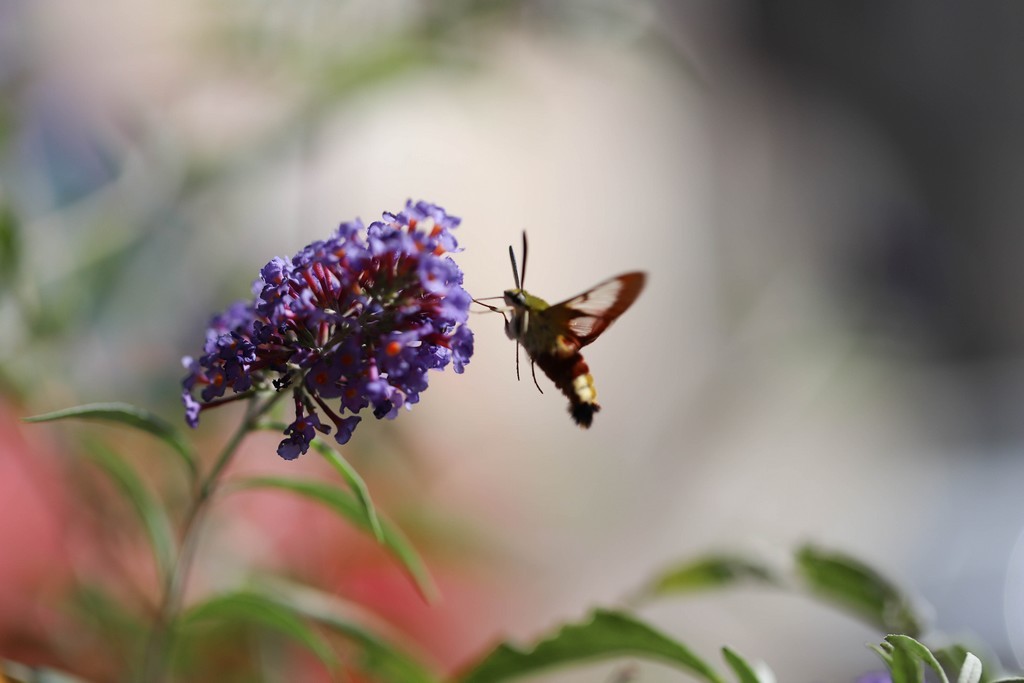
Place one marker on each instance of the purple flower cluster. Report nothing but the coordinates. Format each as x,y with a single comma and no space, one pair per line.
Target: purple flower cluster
354,321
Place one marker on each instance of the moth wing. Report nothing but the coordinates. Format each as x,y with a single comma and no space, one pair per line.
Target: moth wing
589,314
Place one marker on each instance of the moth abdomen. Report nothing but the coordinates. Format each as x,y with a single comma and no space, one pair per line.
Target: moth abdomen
572,377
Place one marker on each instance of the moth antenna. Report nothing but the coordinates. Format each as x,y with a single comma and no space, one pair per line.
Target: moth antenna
533,369
523,281
515,271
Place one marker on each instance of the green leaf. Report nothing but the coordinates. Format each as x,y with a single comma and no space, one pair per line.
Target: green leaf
385,660
348,473
918,652
1015,679
952,658
857,587
131,416
905,668
347,506
357,484
151,512
254,608
605,634
713,571
743,670
883,650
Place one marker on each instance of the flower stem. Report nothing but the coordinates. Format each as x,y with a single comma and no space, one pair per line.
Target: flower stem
160,639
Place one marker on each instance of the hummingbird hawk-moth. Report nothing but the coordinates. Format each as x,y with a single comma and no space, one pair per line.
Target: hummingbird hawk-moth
554,334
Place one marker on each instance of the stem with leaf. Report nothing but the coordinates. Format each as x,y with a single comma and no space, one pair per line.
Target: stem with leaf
160,639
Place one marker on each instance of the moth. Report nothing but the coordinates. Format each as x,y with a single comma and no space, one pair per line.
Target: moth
553,335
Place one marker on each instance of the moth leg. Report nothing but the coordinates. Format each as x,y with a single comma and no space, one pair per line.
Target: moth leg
517,362
533,371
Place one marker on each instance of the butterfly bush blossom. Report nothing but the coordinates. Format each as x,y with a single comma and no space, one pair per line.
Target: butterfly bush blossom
351,322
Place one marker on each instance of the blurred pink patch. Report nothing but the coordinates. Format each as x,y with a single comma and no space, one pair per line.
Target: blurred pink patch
309,543
33,561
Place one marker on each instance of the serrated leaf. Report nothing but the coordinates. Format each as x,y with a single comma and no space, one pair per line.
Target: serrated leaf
713,571
385,660
151,512
131,416
918,652
743,670
346,505
970,672
606,634
348,473
849,583
255,608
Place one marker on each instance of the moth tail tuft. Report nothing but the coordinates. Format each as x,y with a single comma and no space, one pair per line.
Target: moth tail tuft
583,413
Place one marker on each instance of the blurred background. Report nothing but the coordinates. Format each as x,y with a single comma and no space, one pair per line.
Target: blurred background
824,195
